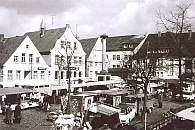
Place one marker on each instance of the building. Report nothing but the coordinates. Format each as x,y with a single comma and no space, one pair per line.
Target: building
119,50
60,47
96,59
163,53
21,63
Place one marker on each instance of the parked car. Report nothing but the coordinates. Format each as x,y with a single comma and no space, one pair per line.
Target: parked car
127,114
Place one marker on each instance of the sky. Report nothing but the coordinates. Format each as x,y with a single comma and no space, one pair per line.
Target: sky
89,18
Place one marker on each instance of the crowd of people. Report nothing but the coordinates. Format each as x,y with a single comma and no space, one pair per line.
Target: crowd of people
7,111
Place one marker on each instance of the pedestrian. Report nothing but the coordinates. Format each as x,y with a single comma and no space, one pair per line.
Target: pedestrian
17,113
8,114
3,107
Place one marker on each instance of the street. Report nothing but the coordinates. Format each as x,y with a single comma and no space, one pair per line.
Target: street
32,119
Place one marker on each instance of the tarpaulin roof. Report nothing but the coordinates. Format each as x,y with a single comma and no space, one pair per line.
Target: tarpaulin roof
14,90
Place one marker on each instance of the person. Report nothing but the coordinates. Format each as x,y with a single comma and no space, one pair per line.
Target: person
17,113
3,107
8,114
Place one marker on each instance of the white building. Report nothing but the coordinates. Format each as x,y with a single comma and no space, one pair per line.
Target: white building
56,46
21,63
95,63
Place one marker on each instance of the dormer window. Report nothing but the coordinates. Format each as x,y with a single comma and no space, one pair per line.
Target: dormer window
130,45
125,46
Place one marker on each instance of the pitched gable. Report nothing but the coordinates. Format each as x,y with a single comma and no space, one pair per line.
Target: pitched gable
8,47
88,45
46,42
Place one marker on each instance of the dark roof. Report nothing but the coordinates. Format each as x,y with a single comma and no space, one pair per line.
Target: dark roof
116,43
88,45
47,42
8,47
112,43
166,41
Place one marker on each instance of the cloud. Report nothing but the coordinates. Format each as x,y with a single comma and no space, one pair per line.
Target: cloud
92,17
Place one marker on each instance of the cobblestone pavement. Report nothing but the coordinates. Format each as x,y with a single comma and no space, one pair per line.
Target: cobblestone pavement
32,119
156,114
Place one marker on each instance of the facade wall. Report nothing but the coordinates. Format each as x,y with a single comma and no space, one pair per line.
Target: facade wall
94,61
19,69
118,59
67,44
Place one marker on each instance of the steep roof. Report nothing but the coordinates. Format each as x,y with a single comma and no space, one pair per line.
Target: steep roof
8,47
88,45
116,43
47,42
166,41
112,43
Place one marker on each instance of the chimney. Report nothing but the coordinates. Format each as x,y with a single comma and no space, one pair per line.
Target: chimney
190,34
1,37
67,25
42,29
103,39
159,34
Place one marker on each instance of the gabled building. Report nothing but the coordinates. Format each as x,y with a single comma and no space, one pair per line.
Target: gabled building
58,47
95,61
162,49
21,63
119,49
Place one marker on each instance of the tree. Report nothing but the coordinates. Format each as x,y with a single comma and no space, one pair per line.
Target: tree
176,22
144,69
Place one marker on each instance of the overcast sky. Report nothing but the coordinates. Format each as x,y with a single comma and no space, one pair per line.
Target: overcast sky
92,17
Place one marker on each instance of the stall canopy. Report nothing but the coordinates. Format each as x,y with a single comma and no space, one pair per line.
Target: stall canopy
15,90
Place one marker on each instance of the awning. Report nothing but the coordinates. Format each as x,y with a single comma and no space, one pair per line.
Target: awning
111,92
187,114
15,90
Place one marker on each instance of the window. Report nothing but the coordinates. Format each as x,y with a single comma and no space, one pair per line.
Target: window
75,74
114,57
23,57
35,75
42,75
125,57
188,64
125,46
68,74
75,45
15,59
62,75
161,74
80,61
80,74
37,59
27,46
56,74
62,45
30,58
49,75
96,64
10,75
118,57
18,75
118,66
68,44
114,66
57,59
